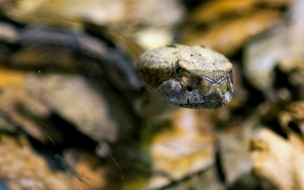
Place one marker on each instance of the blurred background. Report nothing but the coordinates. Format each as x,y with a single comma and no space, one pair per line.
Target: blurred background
74,113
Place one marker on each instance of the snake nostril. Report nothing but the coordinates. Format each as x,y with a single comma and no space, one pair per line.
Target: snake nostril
188,101
189,88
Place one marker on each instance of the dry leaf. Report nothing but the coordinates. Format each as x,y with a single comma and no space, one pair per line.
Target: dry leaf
72,12
21,168
234,153
207,179
13,95
90,172
278,163
280,48
213,11
184,149
227,37
293,117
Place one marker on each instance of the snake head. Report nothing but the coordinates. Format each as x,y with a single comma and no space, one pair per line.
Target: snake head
192,77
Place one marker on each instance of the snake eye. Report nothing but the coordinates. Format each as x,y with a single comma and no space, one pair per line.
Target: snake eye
189,88
177,70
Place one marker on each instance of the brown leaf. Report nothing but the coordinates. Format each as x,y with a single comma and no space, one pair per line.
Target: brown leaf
13,96
279,48
228,36
279,163
22,168
233,147
213,11
89,172
184,149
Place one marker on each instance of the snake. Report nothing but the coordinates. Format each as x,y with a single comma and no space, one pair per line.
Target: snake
185,76
188,76
193,77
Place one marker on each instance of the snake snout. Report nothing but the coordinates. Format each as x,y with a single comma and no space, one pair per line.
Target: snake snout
214,100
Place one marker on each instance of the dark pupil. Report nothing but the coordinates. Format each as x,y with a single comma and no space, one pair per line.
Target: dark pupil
189,89
178,69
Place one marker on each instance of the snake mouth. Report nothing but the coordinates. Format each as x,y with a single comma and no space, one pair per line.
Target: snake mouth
211,104
174,93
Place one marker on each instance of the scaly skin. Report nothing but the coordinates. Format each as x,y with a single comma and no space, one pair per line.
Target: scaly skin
191,77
